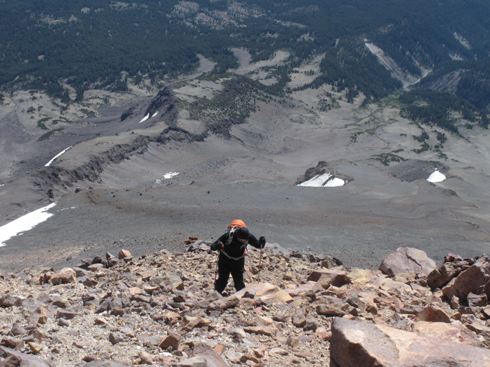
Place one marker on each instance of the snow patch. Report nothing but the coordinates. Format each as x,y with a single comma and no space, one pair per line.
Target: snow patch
335,182
147,116
156,113
436,177
57,156
325,180
24,223
169,175
462,40
455,57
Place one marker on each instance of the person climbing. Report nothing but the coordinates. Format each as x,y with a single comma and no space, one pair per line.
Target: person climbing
232,246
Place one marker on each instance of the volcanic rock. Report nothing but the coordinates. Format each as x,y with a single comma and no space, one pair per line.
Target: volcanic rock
472,280
64,276
407,260
433,314
172,340
11,358
360,343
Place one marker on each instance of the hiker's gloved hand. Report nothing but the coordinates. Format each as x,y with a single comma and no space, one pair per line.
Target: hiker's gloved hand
262,242
216,246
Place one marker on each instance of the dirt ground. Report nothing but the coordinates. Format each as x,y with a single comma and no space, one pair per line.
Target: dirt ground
252,175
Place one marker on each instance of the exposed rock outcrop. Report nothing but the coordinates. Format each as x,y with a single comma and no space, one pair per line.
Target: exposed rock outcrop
360,343
58,177
165,104
179,135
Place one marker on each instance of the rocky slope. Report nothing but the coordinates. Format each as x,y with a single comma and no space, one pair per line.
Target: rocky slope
297,309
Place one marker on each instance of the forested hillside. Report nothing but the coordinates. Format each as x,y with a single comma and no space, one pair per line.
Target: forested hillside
375,47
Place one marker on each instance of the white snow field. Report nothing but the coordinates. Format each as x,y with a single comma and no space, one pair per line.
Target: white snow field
436,177
147,116
169,175
325,180
24,223
57,156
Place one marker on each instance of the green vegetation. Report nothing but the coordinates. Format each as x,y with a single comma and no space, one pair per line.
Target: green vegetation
48,134
232,105
387,158
41,123
436,108
103,44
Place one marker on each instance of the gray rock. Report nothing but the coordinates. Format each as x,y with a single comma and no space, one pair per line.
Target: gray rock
204,356
407,260
11,358
115,338
105,364
9,300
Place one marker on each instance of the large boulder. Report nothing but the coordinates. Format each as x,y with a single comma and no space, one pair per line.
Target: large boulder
407,260
472,280
441,276
64,276
12,358
360,343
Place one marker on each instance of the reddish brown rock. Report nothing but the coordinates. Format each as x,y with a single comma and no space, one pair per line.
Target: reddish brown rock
265,292
172,340
124,254
358,343
64,276
67,315
433,314
336,277
407,260
330,306
470,280
225,303
12,343
441,276
261,330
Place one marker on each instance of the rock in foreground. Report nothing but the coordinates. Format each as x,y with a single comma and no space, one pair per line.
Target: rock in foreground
161,309
407,260
360,343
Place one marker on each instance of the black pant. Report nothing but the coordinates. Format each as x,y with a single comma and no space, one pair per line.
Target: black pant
227,266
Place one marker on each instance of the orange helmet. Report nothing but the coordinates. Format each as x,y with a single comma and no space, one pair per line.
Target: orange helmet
237,223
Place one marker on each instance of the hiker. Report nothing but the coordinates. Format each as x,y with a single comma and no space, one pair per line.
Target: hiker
232,246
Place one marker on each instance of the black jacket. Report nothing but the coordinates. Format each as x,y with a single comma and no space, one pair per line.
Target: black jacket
234,249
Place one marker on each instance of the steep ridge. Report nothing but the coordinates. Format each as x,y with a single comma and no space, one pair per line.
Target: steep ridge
57,177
